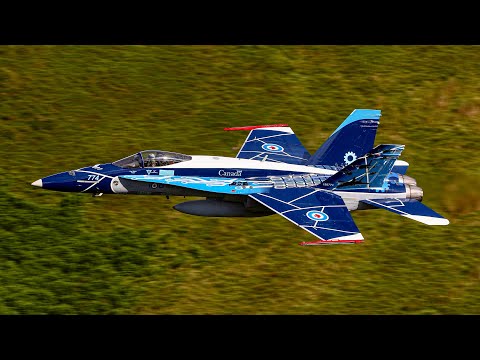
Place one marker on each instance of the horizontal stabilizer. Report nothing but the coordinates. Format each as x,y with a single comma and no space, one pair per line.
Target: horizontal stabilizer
409,208
321,213
400,167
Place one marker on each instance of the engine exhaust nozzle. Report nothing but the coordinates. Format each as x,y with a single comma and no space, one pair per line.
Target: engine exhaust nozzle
407,180
414,192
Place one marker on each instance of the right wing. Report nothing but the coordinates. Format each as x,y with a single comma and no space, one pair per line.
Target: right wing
321,213
275,143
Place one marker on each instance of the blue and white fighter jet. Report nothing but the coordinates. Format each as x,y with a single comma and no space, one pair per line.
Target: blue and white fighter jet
273,173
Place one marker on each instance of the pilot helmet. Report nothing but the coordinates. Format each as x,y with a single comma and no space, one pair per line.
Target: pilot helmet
151,156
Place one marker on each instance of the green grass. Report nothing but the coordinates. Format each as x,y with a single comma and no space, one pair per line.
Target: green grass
63,107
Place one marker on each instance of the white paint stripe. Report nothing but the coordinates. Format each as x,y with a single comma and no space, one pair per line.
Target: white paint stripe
314,207
209,162
298,207
250,133
93,184
91,172
356,236
267,137
429,220
272,153
258,155
400,201
310,193
324,228
286,154
400,163
388,207
270,159
311,232
284,129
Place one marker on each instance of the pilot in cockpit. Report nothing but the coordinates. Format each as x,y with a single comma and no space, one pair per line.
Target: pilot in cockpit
151,162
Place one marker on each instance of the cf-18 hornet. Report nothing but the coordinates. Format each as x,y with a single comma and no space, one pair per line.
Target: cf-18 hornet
273,173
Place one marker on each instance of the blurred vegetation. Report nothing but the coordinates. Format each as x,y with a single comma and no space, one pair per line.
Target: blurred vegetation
64,107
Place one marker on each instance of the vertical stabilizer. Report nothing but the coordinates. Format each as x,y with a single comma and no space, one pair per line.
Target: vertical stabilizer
352,139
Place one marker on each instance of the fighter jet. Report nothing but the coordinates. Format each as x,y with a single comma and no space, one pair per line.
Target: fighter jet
273,173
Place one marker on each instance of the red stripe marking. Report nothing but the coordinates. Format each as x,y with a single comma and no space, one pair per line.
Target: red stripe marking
333,241
254,127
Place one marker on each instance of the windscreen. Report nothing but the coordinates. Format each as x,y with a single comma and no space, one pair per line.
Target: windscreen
151,158
130,162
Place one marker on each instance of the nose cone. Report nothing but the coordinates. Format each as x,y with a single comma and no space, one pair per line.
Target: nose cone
59,182
38,183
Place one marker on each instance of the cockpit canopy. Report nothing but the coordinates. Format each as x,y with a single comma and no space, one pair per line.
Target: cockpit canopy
151,158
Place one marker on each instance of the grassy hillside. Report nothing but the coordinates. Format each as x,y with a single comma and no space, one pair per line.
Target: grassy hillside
64,107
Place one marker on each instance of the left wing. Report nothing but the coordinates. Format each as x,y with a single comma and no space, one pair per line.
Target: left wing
275,143
320,212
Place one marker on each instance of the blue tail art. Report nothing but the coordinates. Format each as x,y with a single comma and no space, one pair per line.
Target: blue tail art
369,171
352,139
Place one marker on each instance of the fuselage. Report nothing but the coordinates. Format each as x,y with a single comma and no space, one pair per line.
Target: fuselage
102,178
272,173
113,178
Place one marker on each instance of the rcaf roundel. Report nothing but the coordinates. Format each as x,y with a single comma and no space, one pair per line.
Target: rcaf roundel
272,147
317,215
